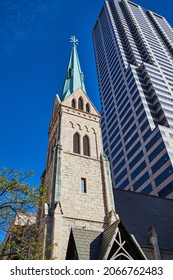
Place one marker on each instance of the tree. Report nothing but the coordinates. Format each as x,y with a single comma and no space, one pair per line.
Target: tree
21,215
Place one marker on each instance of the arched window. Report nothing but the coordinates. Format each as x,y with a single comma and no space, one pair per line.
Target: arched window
76,143
73,103
86,146
87,107
69,72
80,103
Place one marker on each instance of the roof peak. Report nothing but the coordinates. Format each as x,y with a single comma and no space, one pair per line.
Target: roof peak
74,76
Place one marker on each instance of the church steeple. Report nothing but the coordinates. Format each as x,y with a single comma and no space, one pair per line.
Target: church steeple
74,76
77,176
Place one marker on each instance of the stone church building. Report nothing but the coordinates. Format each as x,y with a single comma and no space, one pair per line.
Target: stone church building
80,220
81,207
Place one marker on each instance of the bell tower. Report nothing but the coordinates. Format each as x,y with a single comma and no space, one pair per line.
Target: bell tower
77,173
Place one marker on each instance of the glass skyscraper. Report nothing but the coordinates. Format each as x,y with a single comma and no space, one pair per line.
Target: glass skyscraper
134,60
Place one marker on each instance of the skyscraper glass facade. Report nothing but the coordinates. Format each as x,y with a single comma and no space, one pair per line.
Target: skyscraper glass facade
134,60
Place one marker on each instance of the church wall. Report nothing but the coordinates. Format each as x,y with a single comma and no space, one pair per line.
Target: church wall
87,205
76,95
62,228
79,209
85,124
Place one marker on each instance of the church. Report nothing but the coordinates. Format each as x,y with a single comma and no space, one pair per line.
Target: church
85,218
81,219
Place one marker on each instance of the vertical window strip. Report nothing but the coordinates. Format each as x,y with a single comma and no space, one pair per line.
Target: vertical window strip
83,185
76,143
87,107
86,146
80,104
73,103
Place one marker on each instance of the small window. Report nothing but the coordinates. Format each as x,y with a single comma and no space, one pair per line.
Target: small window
87,107
76,143
80,103
83,185
70,72
73,103
86,146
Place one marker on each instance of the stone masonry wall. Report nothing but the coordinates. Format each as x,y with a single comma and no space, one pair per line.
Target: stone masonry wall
76,208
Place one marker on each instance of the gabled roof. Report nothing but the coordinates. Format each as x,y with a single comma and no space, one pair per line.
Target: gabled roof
80,93
117,243
138,212
113,243
106,239
84,243
74,77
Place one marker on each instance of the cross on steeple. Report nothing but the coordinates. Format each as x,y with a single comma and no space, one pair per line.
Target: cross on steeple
74,40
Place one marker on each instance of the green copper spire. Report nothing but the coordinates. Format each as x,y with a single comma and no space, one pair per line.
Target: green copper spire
74,76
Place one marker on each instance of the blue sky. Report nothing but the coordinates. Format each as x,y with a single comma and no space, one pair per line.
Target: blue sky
34,52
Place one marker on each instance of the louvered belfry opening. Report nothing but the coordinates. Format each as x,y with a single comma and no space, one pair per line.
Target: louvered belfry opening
76,143
80,103
87,107
73,103
86,146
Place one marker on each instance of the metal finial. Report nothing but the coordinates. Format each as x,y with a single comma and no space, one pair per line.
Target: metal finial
74,40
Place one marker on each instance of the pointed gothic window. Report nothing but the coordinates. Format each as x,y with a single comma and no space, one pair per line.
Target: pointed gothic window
88,107
76,143
70,72
80,103
86,146
73,103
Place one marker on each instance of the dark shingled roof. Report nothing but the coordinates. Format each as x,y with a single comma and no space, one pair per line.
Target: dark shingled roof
108,245
139,211
107,236
87,243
